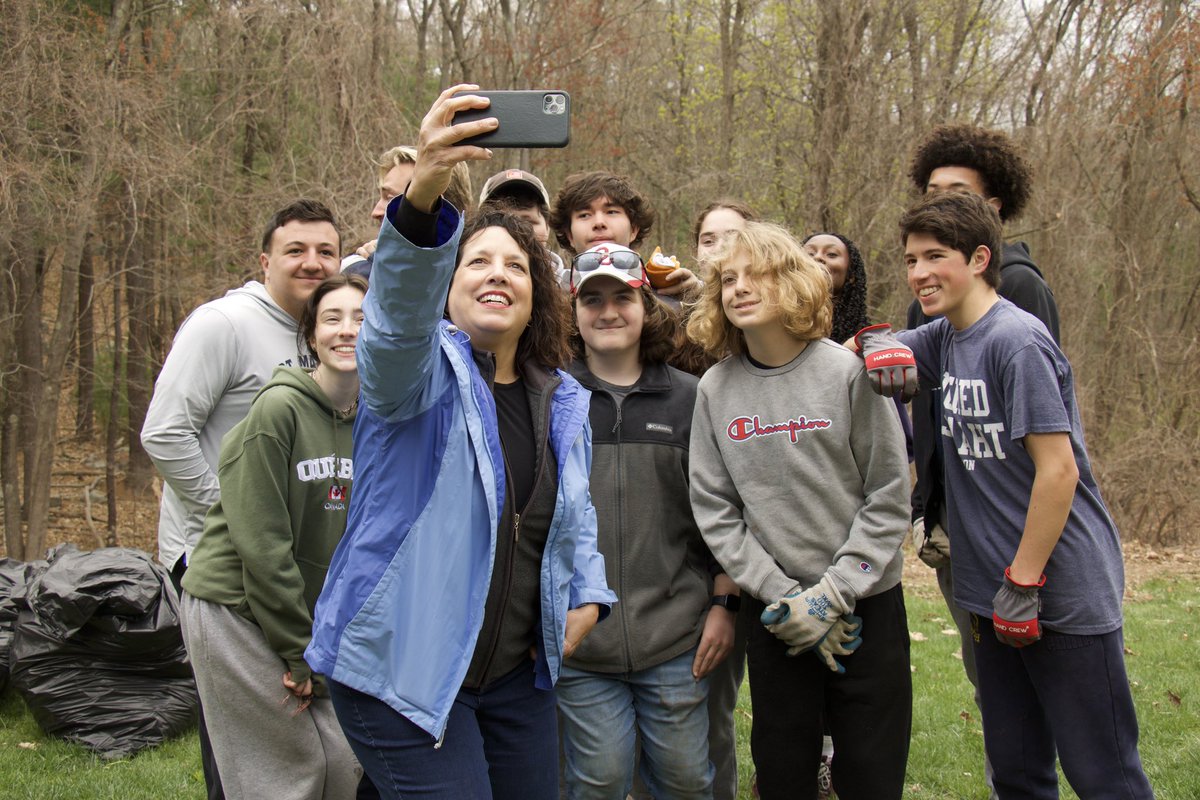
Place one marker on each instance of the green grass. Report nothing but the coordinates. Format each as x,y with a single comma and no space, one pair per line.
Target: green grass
38,767
1162,637
1162,640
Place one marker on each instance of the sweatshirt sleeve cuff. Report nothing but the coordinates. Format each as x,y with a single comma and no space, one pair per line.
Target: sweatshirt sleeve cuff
300,670
421,229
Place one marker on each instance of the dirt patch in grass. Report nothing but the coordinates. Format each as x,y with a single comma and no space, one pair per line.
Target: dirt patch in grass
1142,563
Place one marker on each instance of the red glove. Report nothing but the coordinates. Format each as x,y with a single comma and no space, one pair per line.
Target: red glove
890,365
1015,611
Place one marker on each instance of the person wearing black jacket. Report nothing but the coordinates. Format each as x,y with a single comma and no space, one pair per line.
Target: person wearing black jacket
645,671
965,158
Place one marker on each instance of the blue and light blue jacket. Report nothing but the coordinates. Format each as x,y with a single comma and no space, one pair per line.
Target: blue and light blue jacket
404,597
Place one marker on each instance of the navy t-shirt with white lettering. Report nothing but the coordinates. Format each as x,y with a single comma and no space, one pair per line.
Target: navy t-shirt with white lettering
1003,378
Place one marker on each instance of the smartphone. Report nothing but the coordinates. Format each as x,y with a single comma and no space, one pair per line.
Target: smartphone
528,118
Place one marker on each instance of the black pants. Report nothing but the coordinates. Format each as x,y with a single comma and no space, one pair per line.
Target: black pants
868,709
208,761
1065,695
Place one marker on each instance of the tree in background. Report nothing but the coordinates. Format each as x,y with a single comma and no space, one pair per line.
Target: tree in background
141,142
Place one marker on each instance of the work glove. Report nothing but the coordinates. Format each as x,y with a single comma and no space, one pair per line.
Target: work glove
1015,611
801,618
890,365
842,640
933,545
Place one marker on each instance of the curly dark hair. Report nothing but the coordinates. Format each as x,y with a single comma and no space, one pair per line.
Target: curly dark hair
580,190
658,331
1006,174
850,304
545,340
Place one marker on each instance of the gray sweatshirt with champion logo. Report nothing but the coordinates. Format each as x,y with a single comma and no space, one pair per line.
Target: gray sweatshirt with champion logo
800,471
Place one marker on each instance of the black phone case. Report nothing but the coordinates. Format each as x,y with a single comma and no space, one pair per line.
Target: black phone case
528,118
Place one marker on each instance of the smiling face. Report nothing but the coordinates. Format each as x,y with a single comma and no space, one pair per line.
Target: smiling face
610,315
943,280
747,306
601,221
718,225
339,317
302,255
491,294
830,252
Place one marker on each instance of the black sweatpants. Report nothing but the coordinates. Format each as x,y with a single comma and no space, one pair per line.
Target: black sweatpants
208,761
868,709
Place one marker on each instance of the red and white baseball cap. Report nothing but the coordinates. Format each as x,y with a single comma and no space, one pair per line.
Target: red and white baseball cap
611,259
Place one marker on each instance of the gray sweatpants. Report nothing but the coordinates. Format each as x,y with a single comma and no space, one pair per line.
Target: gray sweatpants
263,749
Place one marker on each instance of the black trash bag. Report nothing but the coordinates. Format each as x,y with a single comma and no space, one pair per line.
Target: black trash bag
14,577
98,654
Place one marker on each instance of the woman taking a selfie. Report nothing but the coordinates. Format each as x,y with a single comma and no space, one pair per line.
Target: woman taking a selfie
469,569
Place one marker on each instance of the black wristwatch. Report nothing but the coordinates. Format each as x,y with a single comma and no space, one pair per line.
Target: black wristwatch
729,602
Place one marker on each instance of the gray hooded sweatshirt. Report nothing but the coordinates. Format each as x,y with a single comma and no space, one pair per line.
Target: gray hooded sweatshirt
223,353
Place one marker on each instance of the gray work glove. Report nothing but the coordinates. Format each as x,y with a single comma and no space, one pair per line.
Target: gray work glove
891,366
842,640
1015,611
933,544
801,618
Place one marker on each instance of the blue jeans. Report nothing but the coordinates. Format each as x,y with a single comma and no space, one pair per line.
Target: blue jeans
501,742
602,715
1067,694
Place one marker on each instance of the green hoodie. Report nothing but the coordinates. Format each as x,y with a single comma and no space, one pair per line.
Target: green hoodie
285,475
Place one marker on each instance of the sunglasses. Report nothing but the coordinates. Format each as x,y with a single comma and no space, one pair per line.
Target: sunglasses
625,261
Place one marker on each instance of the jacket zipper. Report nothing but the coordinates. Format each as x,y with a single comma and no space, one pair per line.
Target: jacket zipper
620,476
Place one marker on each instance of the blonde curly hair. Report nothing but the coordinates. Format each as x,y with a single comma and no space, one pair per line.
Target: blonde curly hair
788,279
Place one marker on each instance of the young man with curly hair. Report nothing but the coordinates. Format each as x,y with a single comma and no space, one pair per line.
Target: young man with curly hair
965,158
597,207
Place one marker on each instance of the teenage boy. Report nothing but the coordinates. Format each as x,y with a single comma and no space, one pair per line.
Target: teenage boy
223,353
1036,556
597,207
965,158
395,170
524,195
594,208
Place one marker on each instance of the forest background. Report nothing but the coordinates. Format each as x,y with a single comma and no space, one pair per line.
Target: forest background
143,143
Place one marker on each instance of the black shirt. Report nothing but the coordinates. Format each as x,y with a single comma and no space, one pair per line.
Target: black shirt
516,438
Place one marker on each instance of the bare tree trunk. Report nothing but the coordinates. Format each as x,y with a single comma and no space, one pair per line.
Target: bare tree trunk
139,288
452,21
113,424
732,30
85,350
420,14
49,389
27,377
10,446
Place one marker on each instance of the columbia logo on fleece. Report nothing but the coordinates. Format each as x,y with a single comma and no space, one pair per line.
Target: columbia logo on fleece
658,427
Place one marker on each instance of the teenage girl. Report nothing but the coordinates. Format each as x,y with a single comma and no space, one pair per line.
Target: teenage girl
799,483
